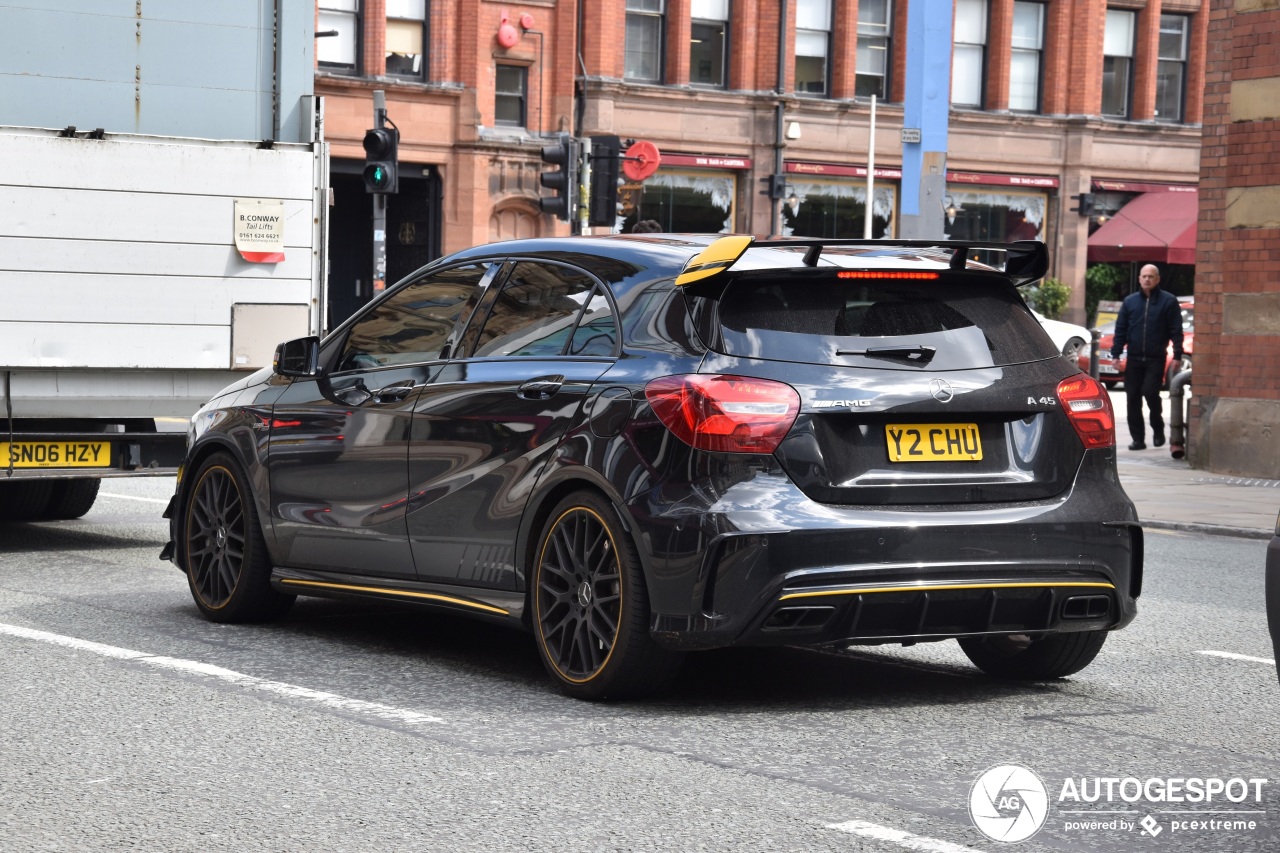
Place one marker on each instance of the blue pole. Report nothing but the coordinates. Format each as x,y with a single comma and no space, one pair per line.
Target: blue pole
926,108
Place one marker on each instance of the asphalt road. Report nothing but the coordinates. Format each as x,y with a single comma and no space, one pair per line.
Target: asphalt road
129,723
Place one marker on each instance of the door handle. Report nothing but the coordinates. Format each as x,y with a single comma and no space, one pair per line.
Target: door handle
541,388
395,393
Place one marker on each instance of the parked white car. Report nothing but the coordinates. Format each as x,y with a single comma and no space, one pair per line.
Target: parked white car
1069,337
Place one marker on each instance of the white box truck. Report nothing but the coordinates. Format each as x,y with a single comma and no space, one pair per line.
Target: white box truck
143,267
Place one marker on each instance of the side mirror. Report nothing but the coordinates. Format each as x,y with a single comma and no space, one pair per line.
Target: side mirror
299,357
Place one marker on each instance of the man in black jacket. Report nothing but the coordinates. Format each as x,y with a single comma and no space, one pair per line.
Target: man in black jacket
1149,321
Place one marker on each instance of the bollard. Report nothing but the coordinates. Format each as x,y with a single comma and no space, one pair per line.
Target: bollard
1177,427
1096,336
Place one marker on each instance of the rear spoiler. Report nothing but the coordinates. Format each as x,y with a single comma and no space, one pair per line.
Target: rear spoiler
1026,261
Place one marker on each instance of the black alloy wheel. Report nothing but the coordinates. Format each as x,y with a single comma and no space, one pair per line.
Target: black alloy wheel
224,554
590,606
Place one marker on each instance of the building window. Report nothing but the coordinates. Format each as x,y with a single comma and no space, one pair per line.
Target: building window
969,54
835,210
510,95
707,39
406,34
687,201
1117,62
1003,217
874,29
1171,69
645,25
813,45
1024,63
339,52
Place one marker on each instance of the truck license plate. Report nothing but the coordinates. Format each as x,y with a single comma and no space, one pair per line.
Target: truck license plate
933,442
56,454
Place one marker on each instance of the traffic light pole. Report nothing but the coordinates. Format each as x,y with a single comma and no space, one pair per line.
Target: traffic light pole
582,190
379,207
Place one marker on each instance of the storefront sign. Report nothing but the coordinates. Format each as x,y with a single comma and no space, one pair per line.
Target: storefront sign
703,161
839,170
1138,187
1002,180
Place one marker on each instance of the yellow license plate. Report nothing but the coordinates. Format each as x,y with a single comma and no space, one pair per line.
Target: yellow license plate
933,442
56,454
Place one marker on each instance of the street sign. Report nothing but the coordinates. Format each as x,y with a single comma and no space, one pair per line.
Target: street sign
641,160
911,136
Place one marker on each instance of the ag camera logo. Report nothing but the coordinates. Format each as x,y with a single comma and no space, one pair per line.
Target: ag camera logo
1008,803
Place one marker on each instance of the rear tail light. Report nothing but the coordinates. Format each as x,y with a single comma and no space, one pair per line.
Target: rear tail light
728,414
1088,407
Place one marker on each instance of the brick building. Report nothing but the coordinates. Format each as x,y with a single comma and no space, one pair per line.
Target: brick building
1049,100
1235,415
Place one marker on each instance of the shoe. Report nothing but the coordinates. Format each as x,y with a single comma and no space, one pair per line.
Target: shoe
1137,445
1158,441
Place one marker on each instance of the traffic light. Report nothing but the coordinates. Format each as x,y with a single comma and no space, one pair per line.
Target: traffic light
564,183
775,186
381,171
606,159
1088,204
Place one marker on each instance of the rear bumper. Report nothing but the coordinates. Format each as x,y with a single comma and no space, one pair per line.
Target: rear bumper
763,564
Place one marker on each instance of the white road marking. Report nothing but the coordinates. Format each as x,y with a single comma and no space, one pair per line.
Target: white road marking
905,840
134,498
1234,656
333,701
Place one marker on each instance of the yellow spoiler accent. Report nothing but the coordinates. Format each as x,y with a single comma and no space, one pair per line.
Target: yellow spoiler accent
717,257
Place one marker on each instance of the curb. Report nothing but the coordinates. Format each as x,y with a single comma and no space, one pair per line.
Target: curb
1208,529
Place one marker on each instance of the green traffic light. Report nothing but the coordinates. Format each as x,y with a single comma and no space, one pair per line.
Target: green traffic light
379,176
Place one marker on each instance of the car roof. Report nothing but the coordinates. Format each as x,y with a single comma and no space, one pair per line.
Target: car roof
666,254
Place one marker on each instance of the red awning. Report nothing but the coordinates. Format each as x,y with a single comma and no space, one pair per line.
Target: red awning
1154,227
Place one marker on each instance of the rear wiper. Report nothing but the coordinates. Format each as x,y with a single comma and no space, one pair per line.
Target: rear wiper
917,354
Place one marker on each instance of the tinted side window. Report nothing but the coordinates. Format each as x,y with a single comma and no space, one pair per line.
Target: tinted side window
414,323
536,311
597,333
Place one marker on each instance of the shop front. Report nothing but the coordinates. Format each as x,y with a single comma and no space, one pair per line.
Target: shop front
996,208
829,201
689,194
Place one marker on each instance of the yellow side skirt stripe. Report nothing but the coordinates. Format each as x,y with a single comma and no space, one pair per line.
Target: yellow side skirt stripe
927,588
430,596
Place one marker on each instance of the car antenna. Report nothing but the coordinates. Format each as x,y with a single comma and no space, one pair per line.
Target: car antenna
812,254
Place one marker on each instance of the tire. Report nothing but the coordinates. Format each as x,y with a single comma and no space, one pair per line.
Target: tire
72,498
223,553
590,606
1052,657
24,500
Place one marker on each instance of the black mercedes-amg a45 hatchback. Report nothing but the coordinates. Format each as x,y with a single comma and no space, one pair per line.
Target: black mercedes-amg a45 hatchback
639,446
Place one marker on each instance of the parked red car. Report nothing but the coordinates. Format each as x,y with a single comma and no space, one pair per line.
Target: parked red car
1111,370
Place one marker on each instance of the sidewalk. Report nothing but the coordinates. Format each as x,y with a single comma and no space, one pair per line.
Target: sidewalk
1170,494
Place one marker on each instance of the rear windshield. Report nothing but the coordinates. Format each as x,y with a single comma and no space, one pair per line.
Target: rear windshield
954,322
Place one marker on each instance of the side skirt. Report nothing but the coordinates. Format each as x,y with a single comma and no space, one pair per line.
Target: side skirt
492,605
